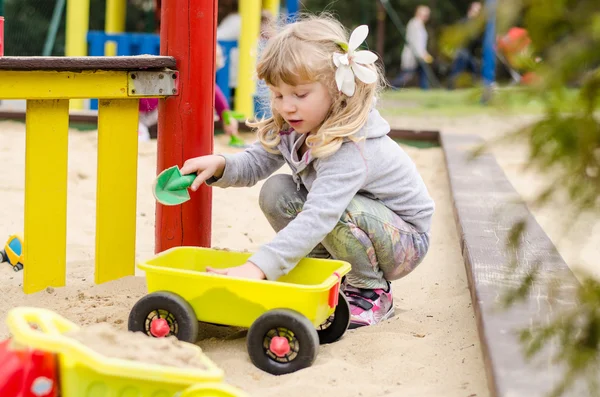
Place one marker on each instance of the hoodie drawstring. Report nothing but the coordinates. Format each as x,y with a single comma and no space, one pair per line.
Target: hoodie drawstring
297,180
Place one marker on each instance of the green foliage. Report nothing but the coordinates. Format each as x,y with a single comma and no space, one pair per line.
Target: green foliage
356,12
27,23
564,143
455,36
578,334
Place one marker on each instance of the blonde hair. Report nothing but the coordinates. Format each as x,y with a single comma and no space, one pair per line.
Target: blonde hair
303,52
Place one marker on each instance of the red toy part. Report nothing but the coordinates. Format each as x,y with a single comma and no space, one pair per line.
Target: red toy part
1,36
515,42
530,78
280,346
27,372
159,328
334,292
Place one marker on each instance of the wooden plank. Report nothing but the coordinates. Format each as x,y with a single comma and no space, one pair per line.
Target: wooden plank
415,135
45,231
51,84
486,205
116,191
140,62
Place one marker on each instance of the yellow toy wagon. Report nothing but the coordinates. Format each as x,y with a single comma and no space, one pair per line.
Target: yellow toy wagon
42,360
287,318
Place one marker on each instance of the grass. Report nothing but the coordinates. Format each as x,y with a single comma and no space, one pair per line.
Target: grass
458,103
417,144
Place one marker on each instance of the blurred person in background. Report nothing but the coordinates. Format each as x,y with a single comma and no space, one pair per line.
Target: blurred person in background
415,50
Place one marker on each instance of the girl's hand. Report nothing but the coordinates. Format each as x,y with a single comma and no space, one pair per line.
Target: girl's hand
205,167
247,270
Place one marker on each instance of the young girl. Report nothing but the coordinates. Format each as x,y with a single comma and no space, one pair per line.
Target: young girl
353,194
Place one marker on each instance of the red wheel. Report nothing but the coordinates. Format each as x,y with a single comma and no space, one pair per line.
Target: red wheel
163,313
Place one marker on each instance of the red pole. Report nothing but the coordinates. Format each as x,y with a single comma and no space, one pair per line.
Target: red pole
185,124
1,36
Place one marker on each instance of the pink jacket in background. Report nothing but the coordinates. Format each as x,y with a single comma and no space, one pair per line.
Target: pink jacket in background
148,104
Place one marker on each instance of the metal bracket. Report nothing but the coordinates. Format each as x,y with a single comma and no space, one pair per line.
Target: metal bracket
153,83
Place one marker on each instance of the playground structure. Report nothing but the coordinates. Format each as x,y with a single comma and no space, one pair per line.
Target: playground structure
1,35
119,84
114,41
50,83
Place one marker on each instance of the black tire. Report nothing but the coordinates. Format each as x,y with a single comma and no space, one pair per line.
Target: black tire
18,266
178,313
337,324
3,256
297,329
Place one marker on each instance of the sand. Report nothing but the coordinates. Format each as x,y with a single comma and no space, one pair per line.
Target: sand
108,340
430,348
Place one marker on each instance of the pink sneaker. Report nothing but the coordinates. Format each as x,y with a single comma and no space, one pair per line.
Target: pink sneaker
369,306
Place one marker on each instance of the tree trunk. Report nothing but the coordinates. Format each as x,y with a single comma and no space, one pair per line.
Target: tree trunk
380,46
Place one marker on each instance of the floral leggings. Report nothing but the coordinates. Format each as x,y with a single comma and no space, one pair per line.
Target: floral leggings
378,244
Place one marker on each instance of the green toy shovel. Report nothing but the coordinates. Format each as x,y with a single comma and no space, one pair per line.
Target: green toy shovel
171,188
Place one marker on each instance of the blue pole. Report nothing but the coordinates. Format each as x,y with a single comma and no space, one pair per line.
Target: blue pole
292,9
488,70
222,78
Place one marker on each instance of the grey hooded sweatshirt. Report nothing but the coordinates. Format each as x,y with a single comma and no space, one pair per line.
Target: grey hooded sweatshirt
375,167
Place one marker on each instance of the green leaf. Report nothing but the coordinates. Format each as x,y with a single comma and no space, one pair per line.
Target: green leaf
343,46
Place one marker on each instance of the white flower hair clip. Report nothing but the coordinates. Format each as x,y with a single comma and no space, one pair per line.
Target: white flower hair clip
351,63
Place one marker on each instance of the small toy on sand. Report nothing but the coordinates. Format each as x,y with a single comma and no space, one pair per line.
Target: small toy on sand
13,252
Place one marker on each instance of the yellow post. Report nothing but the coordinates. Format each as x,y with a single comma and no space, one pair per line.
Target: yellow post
45,231
78,22
244,95
115,22
116,189
272,6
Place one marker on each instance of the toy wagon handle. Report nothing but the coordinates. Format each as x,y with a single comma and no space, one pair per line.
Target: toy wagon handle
37,328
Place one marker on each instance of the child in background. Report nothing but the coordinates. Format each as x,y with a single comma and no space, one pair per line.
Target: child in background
353,194
148,117
230,124
149,113
230,29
